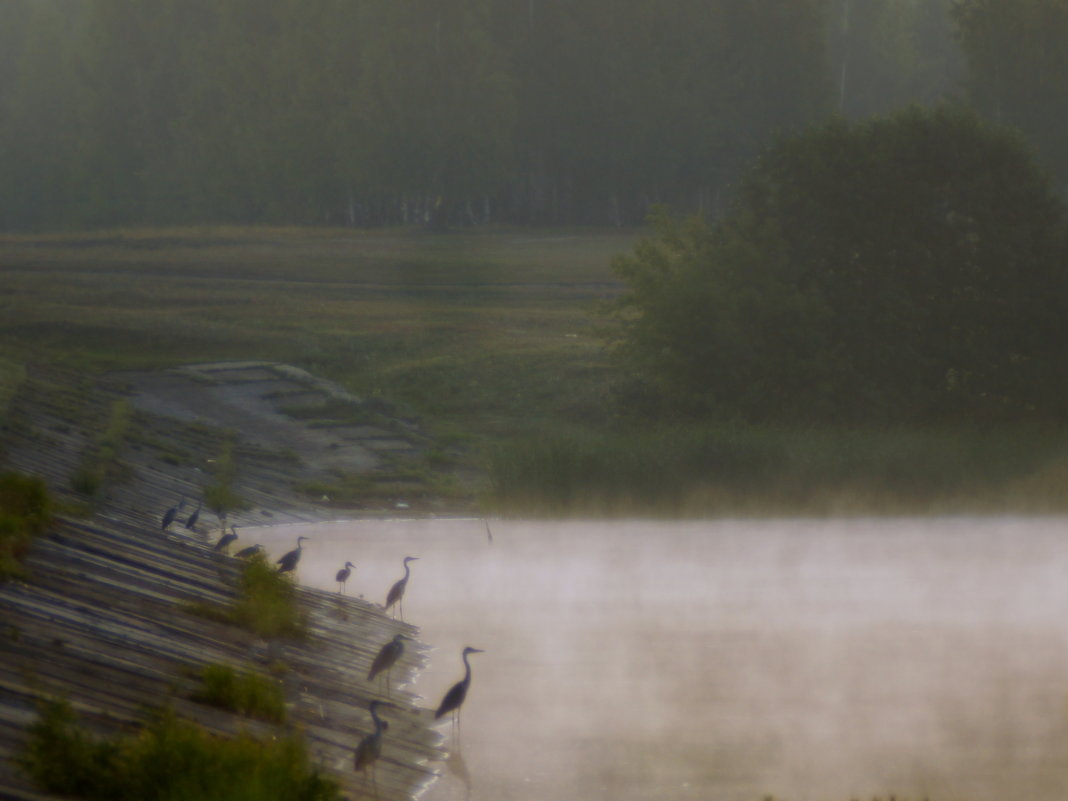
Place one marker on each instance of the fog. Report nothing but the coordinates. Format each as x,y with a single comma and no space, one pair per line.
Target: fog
732,660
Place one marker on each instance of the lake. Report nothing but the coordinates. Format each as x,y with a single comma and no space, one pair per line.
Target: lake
731,660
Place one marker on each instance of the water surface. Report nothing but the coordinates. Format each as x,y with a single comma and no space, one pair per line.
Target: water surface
631,661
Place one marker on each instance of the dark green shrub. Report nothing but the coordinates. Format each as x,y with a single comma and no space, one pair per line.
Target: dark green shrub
245,693
266,605
169,760
902,269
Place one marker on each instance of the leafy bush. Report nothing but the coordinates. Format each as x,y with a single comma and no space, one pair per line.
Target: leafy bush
244,693
906,269
169,760
220,496
25,511
266,604
100,463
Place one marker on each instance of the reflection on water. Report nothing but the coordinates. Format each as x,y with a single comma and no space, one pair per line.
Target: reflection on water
733,660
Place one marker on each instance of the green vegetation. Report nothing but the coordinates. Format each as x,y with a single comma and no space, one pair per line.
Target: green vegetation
902,270
25,511
100,464
169,760
245,693
266,604
220,496
497,353
701,470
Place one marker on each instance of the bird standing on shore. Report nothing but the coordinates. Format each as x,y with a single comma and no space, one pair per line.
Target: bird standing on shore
170,514
454,698
370,747
288,561
245,553
192,521
396,592
387,658
226,539
343,576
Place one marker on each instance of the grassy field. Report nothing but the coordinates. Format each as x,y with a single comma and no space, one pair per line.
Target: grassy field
479,332
489,338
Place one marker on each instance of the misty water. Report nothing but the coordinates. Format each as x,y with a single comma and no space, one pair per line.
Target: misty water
817,660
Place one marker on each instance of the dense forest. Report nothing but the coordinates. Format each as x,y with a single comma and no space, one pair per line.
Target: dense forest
369,112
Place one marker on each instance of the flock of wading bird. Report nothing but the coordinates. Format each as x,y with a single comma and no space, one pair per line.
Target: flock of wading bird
369,748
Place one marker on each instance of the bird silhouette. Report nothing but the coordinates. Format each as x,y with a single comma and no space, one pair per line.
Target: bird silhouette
454,698
370,747
343,576
396,592
226,539
170,514
289,560
192,521
387,658
245,553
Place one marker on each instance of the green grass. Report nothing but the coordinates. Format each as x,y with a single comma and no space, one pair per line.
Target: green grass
732,470
244,693
168,760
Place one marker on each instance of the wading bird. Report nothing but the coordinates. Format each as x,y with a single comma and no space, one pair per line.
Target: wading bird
396,592
289,560
192,521
370,747
170,514
245,553
226,539
343,576
387,658
454,698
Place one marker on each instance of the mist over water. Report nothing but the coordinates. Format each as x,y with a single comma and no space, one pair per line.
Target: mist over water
730,660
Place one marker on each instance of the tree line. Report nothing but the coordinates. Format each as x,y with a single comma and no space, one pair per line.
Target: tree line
369,112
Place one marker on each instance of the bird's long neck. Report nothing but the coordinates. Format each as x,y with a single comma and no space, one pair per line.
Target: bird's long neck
407,570
467,670
378,722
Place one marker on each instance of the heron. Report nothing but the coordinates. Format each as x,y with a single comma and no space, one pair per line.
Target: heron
343,576
370,747
226,539
454,698
192,521
396,592
289,561
245,553
170,514
387,658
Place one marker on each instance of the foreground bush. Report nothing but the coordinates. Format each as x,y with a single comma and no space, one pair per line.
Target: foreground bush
169,760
